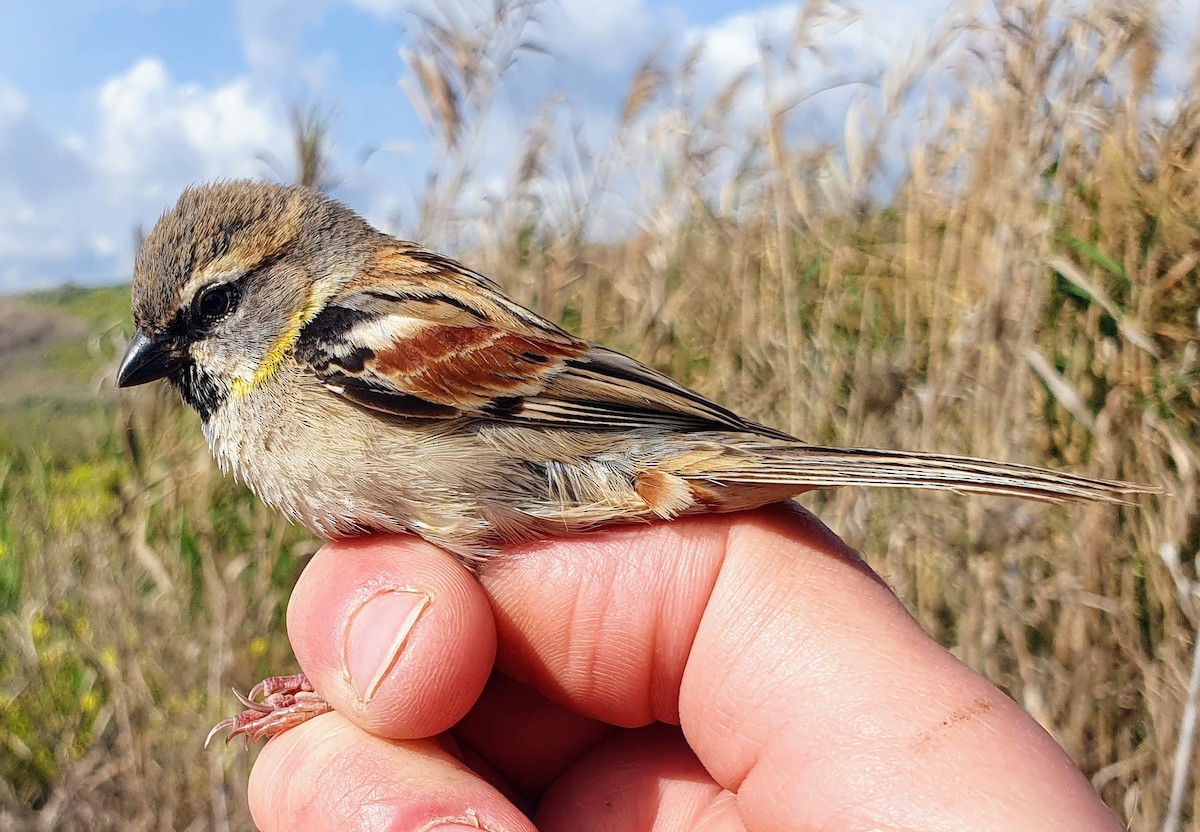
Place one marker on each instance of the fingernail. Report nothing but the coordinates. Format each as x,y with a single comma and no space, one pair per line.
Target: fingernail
468,823
376,632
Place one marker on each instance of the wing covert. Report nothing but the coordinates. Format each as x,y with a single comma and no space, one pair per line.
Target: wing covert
423,337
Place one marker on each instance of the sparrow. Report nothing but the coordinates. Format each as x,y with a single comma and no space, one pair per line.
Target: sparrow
360,383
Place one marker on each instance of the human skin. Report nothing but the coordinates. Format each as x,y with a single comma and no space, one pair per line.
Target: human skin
736,672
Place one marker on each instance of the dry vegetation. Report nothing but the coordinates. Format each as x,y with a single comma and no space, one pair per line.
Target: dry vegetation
1027,289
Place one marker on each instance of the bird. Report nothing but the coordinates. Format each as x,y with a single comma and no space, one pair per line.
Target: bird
360,383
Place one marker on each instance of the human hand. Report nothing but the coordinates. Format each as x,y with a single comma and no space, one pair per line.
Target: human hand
735,672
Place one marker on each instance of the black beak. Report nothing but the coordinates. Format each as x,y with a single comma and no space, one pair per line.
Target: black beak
147,359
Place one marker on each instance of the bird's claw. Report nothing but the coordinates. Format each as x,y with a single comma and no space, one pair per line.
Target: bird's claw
286,701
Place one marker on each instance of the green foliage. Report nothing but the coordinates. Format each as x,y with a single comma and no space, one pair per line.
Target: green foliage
100,307
110,563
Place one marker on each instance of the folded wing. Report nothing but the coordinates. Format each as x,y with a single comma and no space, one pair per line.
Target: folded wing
441,342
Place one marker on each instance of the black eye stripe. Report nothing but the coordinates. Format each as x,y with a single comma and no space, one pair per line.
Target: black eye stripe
190,323
214,302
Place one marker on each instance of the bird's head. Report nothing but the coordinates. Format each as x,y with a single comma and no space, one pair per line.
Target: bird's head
226,281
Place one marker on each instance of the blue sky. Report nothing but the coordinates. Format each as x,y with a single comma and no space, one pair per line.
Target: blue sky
108,108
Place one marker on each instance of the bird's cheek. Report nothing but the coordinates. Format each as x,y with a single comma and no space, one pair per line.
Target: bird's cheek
226,357
201,352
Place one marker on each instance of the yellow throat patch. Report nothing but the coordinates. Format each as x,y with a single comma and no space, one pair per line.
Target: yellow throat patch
281,349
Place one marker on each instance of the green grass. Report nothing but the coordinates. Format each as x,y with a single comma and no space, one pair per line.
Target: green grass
107,548
101,308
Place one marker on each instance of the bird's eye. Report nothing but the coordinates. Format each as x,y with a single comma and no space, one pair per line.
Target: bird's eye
215,303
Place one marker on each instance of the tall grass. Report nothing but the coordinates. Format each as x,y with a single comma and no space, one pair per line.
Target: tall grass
1024,286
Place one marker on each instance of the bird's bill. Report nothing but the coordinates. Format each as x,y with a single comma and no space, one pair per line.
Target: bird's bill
147,359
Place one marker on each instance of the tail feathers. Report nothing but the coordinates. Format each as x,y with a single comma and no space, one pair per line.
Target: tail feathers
815,466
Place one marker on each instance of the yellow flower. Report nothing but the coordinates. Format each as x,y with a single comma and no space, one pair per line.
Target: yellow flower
108,658
89,702
38,628
258,647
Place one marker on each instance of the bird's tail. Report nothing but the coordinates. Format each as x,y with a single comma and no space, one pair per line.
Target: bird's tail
814,466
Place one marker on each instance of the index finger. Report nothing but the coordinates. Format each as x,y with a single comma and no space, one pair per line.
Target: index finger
800,681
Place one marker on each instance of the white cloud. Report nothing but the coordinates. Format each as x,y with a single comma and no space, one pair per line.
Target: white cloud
39,175
13,105
732,45
844,47
156,135
272,35
610,35
69,204
383,8
1180,40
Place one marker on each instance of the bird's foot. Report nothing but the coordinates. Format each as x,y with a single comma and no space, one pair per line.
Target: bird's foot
273,706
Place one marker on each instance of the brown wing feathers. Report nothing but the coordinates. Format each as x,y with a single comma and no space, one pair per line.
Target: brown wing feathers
426,338
467,367
431,339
